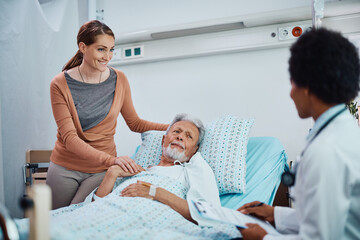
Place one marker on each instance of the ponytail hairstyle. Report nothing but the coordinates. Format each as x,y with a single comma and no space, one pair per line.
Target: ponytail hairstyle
87,34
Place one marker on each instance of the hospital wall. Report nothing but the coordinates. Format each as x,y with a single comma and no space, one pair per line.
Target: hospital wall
245,84
250,83
2,197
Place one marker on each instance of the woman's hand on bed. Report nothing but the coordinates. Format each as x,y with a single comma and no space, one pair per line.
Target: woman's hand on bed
127,164
138,189
262,211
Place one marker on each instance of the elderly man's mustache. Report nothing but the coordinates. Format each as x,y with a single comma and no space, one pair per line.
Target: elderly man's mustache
178,143
174,153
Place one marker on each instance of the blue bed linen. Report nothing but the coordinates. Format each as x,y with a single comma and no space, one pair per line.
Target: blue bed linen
265,162
115,217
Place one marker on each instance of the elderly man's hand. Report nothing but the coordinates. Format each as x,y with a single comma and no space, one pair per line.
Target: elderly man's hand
138,189
253,232
127,164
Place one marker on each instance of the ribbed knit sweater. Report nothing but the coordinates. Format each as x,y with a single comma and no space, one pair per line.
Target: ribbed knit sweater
92,150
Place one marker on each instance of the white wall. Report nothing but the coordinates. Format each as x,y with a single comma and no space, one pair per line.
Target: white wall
135,15
248,84
33,50
2,196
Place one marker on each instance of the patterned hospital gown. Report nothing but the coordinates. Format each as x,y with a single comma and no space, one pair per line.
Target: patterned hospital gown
116,217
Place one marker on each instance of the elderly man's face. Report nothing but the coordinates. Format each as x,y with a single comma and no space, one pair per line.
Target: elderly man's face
181,138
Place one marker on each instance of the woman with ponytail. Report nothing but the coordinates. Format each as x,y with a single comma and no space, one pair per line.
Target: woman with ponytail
86,100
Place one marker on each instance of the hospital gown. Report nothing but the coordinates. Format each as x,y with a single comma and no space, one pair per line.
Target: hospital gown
116,217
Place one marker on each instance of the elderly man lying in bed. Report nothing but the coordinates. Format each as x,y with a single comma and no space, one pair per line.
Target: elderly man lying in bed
125,207
179,161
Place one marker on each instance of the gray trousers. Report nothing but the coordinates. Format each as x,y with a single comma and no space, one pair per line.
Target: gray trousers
70,187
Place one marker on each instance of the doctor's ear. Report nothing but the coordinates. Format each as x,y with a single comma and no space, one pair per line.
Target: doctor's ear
306,91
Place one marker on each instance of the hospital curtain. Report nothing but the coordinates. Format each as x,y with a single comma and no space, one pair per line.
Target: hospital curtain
36,40
2,197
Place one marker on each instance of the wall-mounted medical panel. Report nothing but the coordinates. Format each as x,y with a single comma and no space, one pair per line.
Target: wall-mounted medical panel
131,52
206,44
245,19
292,31
246,39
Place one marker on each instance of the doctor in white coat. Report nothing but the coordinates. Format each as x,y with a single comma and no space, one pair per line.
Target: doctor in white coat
324,69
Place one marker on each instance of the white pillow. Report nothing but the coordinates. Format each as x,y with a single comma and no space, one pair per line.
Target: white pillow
224,147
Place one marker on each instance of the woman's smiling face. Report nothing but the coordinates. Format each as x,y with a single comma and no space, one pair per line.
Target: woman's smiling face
98,54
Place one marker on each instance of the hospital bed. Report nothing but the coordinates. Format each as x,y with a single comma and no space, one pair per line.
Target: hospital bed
38,161
265,162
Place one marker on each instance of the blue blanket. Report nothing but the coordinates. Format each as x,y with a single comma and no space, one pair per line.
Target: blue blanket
115,217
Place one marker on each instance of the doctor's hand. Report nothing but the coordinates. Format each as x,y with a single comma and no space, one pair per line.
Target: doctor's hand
264,211
138,189
127,164
253,232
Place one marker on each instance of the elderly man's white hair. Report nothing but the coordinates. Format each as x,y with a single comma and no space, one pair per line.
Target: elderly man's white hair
197,122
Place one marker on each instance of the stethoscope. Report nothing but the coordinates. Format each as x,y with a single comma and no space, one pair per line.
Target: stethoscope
288,177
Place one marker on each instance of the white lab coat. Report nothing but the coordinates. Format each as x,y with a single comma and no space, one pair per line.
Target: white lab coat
327,185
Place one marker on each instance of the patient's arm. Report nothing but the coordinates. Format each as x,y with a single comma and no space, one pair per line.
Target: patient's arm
178,204
140,189
111,175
